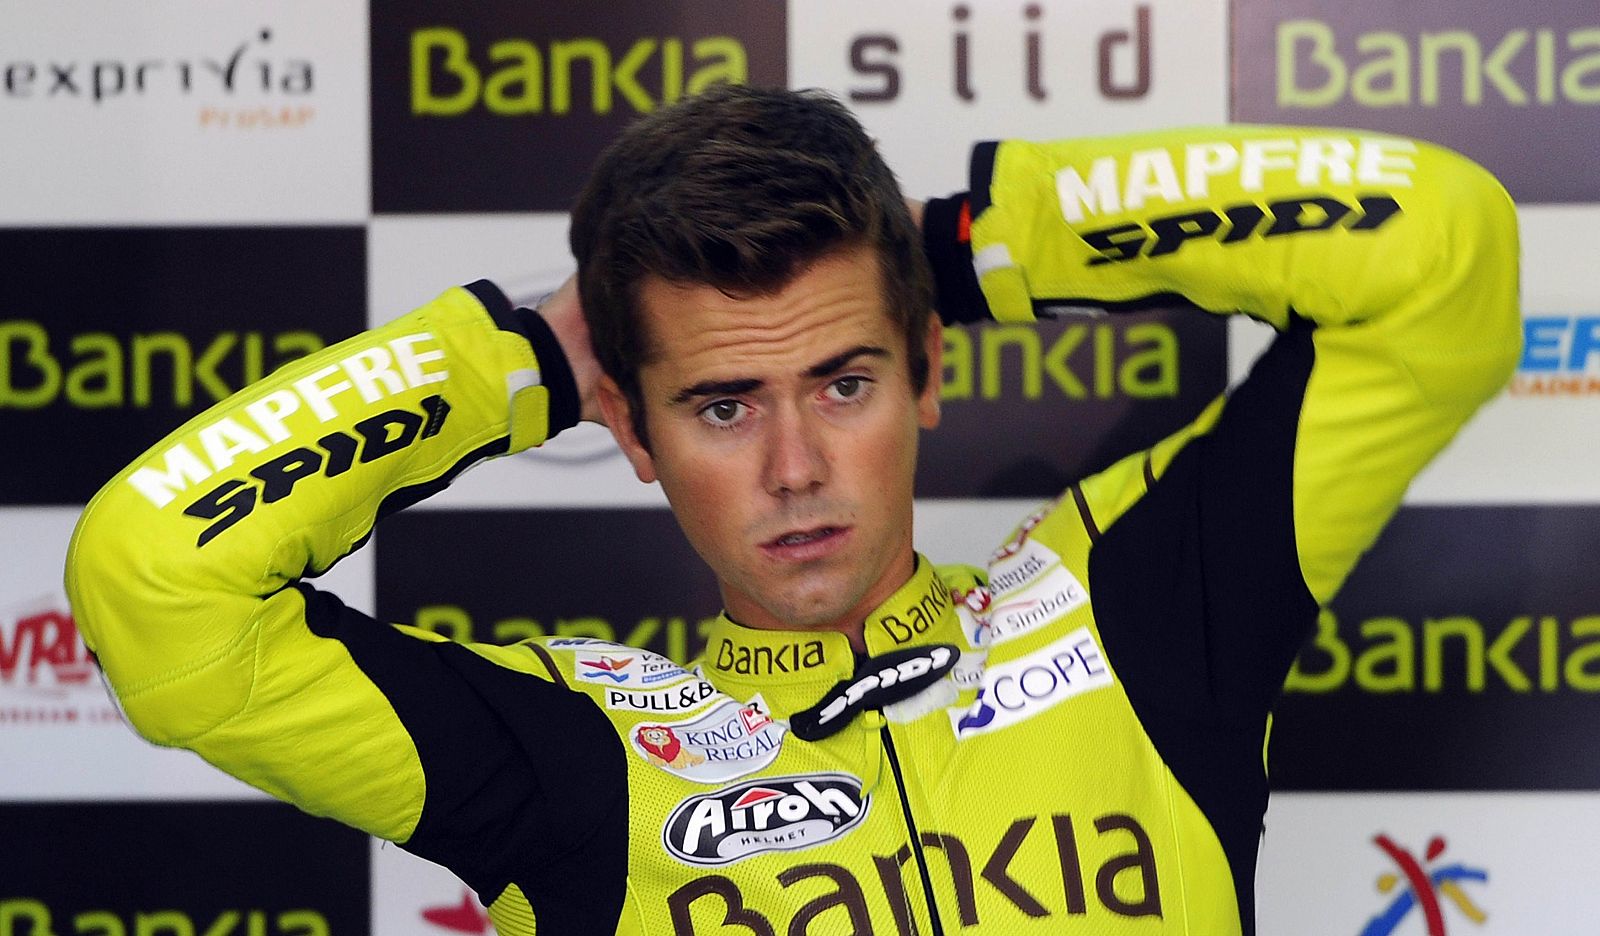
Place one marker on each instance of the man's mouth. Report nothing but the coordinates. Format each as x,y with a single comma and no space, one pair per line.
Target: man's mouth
807,544
803,536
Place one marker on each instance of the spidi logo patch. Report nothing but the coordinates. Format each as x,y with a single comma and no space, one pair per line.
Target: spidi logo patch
505,109
99,360
1514,86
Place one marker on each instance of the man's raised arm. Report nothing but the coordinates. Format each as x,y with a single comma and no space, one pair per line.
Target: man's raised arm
1389,264
184,575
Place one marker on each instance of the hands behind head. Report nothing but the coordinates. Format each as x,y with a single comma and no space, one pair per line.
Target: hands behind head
563,312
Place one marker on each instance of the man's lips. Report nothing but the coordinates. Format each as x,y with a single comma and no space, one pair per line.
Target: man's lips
806,544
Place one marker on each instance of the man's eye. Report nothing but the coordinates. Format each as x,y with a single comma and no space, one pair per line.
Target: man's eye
723,412
847,388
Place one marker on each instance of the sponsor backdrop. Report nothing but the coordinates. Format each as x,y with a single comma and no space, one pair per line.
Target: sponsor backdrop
196,193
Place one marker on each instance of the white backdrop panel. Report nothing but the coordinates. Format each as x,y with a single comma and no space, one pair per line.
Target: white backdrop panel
184,111
1320,868
896,65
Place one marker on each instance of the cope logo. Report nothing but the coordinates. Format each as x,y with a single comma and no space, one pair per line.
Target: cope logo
1560,356
1422,888
505,110
1017,690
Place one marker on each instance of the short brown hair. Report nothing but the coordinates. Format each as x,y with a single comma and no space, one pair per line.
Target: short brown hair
740,189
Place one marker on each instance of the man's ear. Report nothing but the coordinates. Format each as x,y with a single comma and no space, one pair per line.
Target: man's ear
928,401
619,418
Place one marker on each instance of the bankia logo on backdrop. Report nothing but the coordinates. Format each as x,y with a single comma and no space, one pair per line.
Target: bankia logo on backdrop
505,108
110,338
623,575
1030,408
1515,86
223,869
1463,653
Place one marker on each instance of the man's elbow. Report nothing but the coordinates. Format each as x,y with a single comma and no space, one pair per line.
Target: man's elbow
1479,265
129,612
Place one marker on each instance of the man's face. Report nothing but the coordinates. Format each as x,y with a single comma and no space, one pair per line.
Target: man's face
783,430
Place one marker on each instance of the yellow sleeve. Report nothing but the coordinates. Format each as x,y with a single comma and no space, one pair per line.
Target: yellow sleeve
183,572
1398,255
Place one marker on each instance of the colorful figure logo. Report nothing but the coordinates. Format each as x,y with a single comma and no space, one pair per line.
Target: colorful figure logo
605,668
1423,888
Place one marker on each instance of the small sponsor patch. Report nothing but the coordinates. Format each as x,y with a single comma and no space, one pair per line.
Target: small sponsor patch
1020,538
769,814
624,667
732,740
767,660
968,671
972,610
677,699
1019,689
1021,568
1047,599
592,643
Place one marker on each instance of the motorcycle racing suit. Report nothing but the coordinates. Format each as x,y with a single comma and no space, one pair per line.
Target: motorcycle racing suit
1068,741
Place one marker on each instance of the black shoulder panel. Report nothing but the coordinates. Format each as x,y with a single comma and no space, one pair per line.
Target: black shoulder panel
526,780
1199,598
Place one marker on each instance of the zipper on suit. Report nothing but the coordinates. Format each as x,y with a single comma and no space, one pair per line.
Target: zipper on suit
911,831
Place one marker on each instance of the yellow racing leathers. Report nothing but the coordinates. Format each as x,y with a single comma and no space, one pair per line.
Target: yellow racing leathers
1067,741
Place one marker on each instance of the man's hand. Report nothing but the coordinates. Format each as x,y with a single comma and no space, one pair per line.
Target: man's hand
563,312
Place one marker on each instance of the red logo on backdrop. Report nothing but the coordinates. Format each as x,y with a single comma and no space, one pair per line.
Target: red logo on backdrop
43,651
46,672
464,917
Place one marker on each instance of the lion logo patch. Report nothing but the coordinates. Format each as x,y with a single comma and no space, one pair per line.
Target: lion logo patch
731,740
662,748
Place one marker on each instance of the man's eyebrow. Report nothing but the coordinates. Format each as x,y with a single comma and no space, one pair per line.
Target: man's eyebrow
839,361
710,388
832,365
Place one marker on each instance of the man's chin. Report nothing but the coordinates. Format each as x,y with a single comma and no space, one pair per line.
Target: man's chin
823,600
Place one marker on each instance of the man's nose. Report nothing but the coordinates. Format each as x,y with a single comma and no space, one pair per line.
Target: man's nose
797,460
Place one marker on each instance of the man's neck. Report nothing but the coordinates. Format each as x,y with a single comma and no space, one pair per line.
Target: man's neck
747,612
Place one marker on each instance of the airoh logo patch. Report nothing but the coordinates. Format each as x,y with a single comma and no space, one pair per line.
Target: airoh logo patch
769,814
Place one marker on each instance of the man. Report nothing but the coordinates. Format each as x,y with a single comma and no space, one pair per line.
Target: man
1068,741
